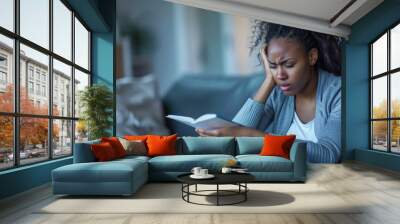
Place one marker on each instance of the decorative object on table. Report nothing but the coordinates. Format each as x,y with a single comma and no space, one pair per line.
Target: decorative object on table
237,170
200,173
232,163
96,102
239,195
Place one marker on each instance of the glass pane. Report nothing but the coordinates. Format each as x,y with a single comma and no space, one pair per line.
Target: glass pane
395,129
6,74
379,55
81,45
395,94
62,28
35,21
62,138
379,98
33,140
6,142
81,131
81,81
379,135
395,47
34,92
7,14
62,89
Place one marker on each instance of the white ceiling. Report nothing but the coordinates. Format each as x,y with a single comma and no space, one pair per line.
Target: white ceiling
315,15
321,9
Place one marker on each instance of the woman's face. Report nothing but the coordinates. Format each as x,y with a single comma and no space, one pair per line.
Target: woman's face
290,64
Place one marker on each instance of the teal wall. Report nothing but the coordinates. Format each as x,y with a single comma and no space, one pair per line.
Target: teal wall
356,84
99,15
24,178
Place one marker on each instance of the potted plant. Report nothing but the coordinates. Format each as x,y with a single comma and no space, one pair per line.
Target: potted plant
96,102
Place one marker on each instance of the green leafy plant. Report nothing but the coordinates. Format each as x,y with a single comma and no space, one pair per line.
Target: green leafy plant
96,102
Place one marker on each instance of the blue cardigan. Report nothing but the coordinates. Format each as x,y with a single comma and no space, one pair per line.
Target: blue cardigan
277,115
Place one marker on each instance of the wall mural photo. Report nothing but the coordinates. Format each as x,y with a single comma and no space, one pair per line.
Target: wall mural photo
241,76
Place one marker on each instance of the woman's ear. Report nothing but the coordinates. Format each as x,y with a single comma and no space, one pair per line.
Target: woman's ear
313,56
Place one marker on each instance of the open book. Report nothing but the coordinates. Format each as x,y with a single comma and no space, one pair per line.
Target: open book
206,121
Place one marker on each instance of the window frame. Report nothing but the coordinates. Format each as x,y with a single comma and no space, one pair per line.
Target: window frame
16,115
388,74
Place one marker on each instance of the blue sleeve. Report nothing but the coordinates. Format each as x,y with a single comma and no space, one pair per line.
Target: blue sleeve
327,150
252,112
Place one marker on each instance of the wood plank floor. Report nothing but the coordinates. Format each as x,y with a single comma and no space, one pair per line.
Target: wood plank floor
377,188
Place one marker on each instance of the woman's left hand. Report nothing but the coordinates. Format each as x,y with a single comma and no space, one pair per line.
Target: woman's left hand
230,131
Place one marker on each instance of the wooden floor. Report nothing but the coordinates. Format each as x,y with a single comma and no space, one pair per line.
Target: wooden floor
378,188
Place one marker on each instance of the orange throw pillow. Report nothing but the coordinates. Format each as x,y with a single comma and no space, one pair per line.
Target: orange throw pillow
277,145
116,145
103,152
161,145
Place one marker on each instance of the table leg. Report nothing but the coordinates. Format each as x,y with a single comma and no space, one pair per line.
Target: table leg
217,194
245,193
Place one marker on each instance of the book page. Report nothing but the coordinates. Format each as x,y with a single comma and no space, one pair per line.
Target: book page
181,118
205,117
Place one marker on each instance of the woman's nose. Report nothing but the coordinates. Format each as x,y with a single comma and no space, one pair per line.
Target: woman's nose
281,74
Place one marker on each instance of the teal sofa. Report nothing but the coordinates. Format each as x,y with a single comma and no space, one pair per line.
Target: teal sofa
125,176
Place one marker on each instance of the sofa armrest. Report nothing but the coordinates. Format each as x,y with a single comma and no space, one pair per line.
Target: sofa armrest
83,152
298,155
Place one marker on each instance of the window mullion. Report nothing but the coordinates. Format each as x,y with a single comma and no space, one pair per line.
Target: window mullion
16,84
50,81
73,83
389,106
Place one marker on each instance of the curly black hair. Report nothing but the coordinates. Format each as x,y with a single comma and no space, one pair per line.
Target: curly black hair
328,46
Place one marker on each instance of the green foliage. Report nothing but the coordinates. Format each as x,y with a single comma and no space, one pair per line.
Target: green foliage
96,102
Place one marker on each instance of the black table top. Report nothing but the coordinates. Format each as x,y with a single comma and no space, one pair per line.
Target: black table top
220,178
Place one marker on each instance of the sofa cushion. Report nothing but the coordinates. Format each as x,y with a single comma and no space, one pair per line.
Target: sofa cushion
275,145
111,171
257,163
161,145
116,145
103,152
185,163
249,145
208,145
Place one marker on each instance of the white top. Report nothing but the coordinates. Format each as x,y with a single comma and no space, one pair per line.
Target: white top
302,131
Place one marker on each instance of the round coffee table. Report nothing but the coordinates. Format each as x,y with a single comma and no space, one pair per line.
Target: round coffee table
238,179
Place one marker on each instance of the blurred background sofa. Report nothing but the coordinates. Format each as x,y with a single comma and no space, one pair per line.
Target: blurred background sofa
195,95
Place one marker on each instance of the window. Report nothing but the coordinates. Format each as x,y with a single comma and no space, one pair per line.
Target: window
44,91
3,78
7,14
38,89
30,87
46,74
30,72
7,73
385,95
3,61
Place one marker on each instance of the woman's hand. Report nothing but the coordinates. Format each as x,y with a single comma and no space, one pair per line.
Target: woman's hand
269,79
265,89
230,131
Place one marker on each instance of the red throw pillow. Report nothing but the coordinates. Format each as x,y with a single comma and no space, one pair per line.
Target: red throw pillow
116,145
277,145
161,145
103,152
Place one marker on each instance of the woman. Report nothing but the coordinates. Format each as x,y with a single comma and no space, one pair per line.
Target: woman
300,94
